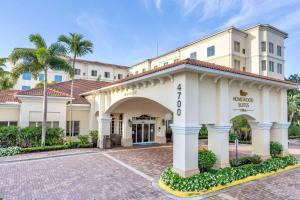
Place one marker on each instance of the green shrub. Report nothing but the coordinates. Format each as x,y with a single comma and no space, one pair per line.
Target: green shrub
203,132
54,136
255,159
90,145
94,135
29,136
44,148
84,139
275,149
294,130
207,180
10,134
206,160
233,137
10,151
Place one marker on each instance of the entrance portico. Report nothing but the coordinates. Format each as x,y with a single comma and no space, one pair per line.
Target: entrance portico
192,93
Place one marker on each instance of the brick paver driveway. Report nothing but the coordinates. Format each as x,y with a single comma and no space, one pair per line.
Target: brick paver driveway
119,174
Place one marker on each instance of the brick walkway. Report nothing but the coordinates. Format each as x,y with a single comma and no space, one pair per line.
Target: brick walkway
112,174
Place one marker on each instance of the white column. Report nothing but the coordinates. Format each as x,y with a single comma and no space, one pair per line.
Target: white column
218,143
127,132
279,133
104,128
186,124
261,139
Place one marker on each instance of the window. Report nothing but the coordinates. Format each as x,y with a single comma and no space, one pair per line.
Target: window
75,125
120,76
237,46
237,64
49,124
193,55
8,123
26,76
58,78
278,50
106,74
263,65
26,87
94,72
271,47
144,70
211,51
279,68
165,63
244,51
271,66
263,46
77,71
41,77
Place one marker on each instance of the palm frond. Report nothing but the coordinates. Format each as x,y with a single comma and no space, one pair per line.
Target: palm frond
57,63
23,67
23,54
57,49
2,62
37,40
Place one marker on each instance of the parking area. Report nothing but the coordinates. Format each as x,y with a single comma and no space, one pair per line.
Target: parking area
119,174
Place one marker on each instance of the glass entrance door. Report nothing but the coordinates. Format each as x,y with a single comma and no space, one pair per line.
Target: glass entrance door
143,132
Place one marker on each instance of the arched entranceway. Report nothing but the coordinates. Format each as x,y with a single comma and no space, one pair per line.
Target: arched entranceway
137,120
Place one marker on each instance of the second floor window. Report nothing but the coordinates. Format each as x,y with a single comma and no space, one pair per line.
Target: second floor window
237,46
26,76
41,77
271,66
58,78
263,47
106,74
94,72
210,51
263,65
237,64
120,76
77,71
193,55
278,50
271,47
279,68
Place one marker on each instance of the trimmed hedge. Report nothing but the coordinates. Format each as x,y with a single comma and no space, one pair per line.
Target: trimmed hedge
208,180
206,160
275,149
255,159
44,148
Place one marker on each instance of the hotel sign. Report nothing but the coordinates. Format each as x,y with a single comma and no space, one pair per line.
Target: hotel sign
243,102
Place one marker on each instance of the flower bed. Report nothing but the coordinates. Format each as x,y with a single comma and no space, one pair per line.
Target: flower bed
208,180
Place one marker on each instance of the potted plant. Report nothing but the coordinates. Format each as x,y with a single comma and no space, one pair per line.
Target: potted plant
94,136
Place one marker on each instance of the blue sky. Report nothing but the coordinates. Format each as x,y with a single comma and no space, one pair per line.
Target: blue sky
127,31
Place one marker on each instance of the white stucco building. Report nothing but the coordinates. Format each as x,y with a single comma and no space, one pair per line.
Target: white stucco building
184,93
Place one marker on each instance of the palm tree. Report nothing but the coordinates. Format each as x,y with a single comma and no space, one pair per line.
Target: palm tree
77,47
5,79
293,106
38,59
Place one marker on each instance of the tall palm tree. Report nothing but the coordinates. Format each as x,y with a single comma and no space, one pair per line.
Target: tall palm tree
293,106
36,60
5,79
77,47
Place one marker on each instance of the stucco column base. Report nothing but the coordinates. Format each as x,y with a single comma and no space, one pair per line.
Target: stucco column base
126,142
160,139
187,173
261,139
218,143
279,133
185,149
104,129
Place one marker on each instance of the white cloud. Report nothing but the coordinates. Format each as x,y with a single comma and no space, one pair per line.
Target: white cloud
158,5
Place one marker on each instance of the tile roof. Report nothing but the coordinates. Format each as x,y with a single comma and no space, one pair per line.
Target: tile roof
204,65
8,96
63,89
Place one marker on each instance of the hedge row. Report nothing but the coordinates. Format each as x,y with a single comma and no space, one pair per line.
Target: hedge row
207,180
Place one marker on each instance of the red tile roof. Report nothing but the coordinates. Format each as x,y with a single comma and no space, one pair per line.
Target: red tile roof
8,96
63,89
204,65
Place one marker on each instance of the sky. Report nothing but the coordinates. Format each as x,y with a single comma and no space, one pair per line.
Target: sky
128,31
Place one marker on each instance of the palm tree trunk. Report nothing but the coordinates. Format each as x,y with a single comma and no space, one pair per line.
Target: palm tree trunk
71,124
45,102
